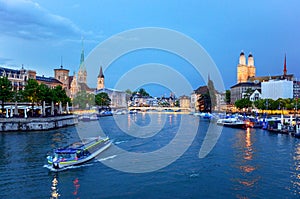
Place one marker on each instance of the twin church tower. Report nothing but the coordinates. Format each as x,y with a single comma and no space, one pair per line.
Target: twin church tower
245,71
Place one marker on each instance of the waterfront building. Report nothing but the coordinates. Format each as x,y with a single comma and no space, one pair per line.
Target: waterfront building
296,89
275,89
239,90
247,79
185,102
220,101
18,78
197,103
61,74
118,98
256,95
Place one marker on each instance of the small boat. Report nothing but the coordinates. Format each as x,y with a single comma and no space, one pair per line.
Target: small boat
78,152
88,117
233,123
297,131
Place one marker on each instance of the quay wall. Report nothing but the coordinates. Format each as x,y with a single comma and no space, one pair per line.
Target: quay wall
37,124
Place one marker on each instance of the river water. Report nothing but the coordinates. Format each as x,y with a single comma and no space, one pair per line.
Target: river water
242,164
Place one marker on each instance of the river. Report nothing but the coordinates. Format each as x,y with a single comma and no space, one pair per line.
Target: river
242,164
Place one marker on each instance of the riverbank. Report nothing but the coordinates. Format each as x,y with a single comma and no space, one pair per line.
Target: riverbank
37,124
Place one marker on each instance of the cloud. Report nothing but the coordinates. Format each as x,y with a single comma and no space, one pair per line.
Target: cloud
28,20
5,60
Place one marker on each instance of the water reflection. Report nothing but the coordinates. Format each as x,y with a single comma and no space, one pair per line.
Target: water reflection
76,186
54,188
295,177
245,152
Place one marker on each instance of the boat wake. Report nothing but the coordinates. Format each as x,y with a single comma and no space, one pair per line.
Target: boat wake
66,168
106,158
120,142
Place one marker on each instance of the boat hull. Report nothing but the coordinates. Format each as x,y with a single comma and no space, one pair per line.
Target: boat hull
236,126
63,164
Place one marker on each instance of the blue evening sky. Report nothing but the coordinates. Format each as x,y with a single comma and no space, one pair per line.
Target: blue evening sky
37,33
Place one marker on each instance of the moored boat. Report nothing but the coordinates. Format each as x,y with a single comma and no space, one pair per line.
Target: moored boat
233,123
78,152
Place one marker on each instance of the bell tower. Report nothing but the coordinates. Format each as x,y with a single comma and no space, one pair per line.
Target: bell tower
242,69
100,80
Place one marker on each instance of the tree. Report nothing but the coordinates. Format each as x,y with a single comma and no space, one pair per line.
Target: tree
128,91
102,99
59,95
142,92
248,93
227,97
82,99
243,103
31,92
5,91
261,104
45,93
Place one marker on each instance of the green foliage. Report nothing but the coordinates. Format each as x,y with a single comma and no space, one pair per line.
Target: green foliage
45,94
5,91
59,95
128,91
141,92
243,103
102,99
227,97
248,93
31,91
83,99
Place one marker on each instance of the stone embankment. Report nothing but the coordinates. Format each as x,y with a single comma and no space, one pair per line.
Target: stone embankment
37,124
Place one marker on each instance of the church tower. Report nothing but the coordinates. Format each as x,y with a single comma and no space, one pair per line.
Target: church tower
251,67
74,87
242,69
100,79
284,67
82,74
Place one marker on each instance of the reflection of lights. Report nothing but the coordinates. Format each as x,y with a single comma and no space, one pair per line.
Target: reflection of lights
295,175
76,185
128,121
159,118
247,168
248,152
170,119
54,193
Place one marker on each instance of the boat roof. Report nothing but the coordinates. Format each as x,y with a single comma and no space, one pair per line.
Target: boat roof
74,147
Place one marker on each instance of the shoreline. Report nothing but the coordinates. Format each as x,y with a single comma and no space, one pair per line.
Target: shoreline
37,124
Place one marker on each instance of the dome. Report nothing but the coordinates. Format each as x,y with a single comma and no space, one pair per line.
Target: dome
250,55
242,53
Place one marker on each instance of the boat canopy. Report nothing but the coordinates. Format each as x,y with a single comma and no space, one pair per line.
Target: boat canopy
68,150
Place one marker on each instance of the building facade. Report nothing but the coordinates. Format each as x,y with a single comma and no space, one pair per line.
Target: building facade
245,71
277,89
239,90
296,89
118,98
185,102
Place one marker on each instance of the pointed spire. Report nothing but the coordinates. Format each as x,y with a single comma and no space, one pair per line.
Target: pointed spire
82,65
284,67
101,73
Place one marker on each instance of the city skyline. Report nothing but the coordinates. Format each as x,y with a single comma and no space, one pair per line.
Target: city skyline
39,33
